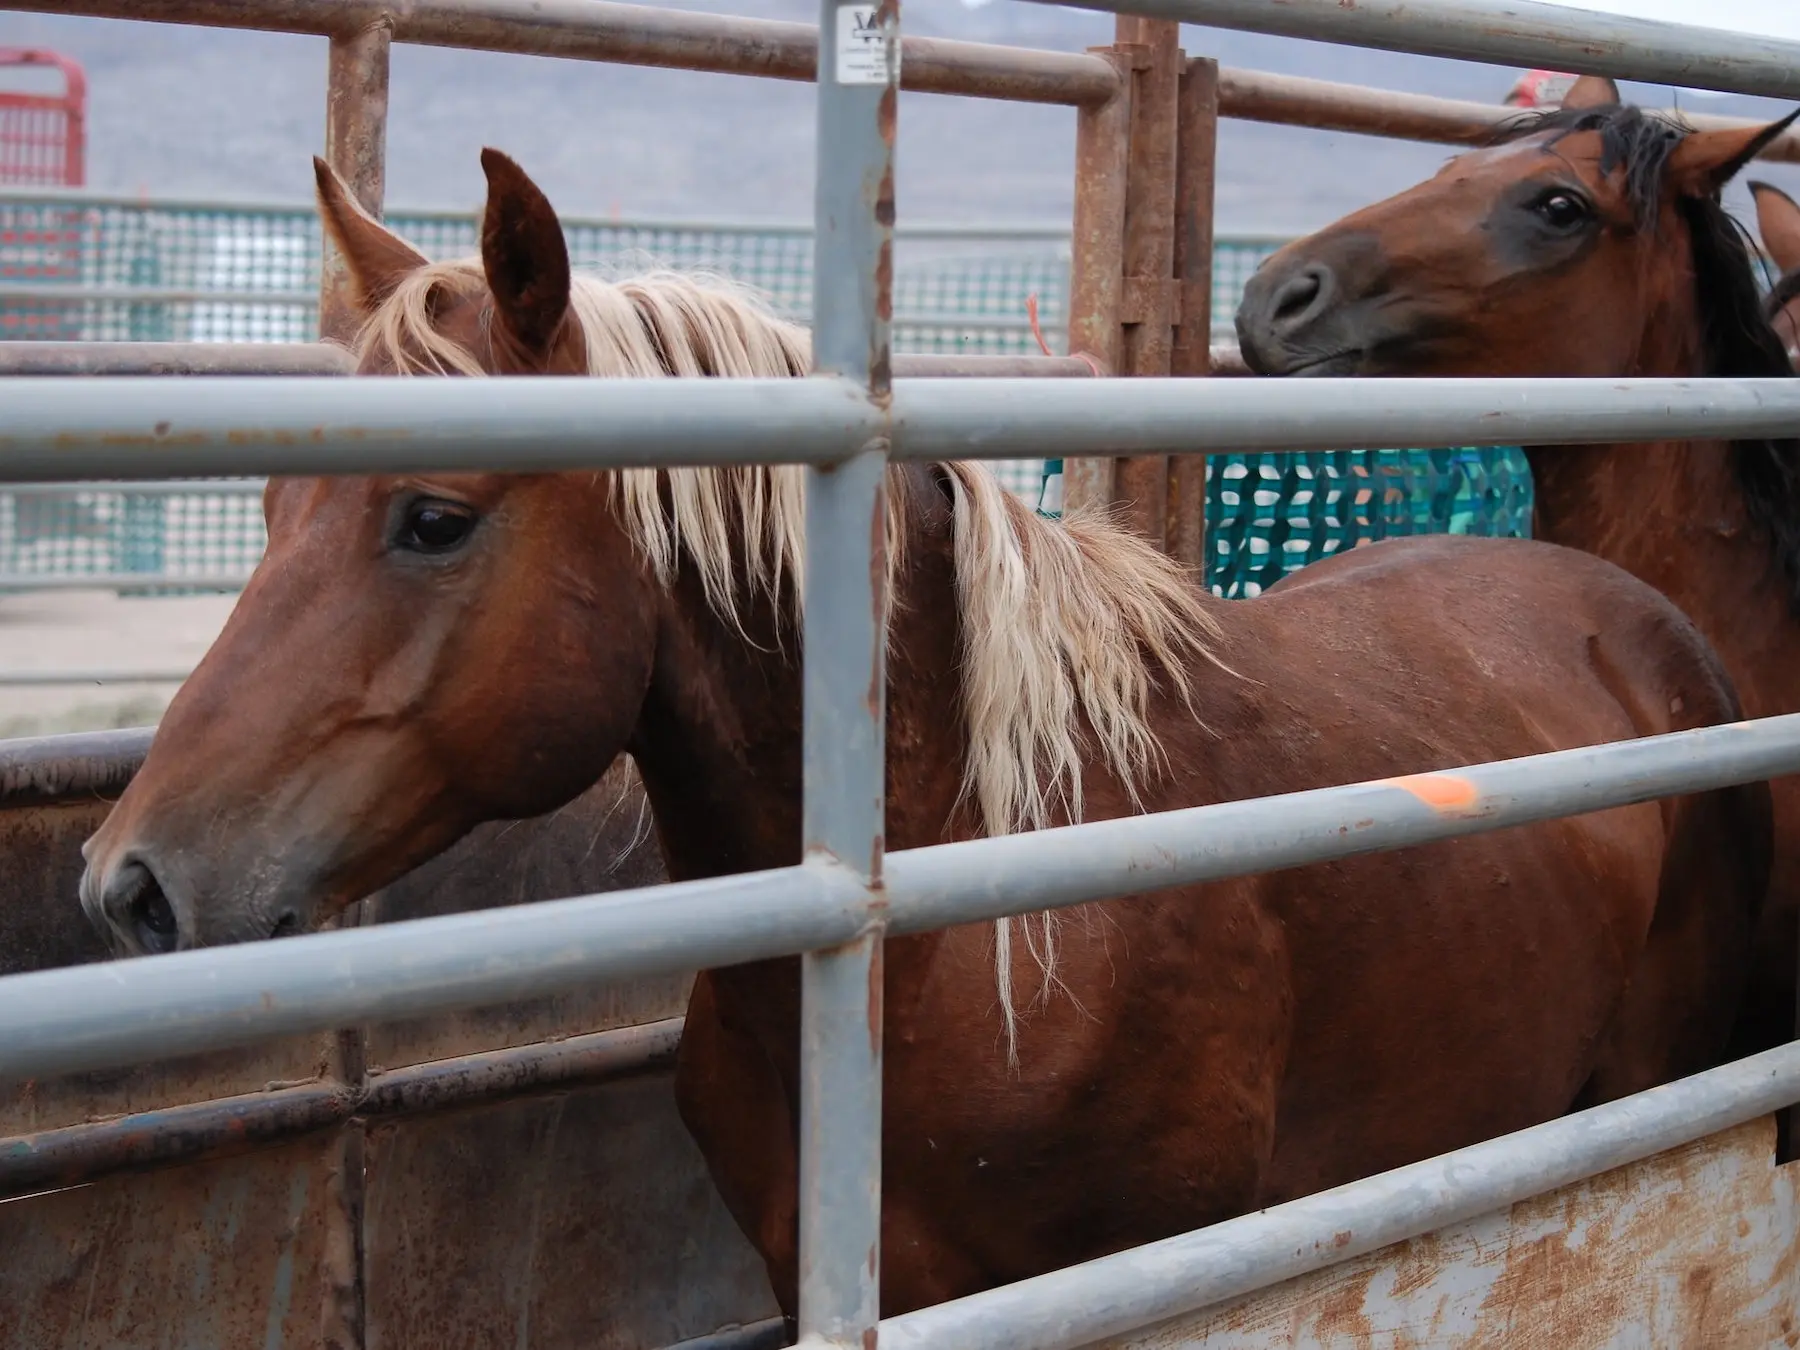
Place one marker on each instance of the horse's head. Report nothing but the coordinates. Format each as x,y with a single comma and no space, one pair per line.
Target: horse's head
1579,244
1778,220
415,654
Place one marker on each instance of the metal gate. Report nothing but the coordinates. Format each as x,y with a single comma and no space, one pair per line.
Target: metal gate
835,908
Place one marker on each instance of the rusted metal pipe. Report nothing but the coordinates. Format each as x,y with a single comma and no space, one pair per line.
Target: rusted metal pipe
1324,105
324,358
173,358
356,106
597,30
1097,260
200,1131
41,770
1190,354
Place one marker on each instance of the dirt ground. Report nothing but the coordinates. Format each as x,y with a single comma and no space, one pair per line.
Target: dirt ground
99,634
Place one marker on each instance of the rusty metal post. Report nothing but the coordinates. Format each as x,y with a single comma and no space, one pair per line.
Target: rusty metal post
1097,259
844,680
1148,296
1197,143
356,107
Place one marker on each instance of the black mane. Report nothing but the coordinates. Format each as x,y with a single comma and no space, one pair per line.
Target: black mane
1739,337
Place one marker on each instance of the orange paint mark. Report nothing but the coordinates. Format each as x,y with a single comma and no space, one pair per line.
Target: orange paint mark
1439,791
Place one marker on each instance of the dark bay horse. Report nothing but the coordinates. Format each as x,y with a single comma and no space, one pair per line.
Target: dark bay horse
1778,221
419,653
1591,242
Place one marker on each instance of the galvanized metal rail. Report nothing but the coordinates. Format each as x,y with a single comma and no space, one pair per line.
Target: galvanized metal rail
205,426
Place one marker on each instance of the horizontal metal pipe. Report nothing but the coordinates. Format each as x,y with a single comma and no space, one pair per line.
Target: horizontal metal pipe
210,999
35,770
1134,1289
122,1012
1324,105
198,427
173,358
324,358
111,581
34,679
1509,33
195,1131
137,487
638,35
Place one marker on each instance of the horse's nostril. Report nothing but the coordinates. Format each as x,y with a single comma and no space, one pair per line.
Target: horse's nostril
286,925
152,917
1299,294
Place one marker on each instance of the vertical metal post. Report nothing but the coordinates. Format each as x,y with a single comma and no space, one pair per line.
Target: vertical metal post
1097,259
845,680
1148,295
356,107
1191,355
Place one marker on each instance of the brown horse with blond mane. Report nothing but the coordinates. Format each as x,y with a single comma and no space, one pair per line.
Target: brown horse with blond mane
418,653
1590,241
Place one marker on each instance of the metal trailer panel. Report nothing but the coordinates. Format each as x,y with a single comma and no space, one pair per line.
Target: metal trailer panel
1695,1246
1118,1295
1507,32
155,428
226,1254
579,1221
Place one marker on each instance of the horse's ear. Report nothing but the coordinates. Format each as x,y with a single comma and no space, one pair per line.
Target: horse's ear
524,254
1778,221
1592,91
376,256
1706,161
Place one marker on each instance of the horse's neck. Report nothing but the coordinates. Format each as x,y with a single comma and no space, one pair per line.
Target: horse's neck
719,750
1671,514
719,743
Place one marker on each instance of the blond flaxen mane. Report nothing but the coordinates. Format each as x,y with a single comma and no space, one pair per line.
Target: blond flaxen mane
1065,626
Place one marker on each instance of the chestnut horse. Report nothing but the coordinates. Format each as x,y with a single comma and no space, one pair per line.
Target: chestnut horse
1778,220
1591,242
421,652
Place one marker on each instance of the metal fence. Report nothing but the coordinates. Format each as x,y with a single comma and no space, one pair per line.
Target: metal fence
840,902
93,267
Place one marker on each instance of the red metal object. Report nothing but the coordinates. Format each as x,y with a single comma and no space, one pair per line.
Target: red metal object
43,143
43,137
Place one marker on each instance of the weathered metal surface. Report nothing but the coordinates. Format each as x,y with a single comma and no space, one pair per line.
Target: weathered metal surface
173,358
1699,1246
593,30
1150,298
226,1254
1190,355
356,107
1097,260
324,358
577,1222
1325,105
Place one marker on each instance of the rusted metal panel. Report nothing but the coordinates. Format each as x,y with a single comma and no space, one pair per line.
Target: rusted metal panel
1699,1246
1196,162
577,1222
173,358
1097,259
225,1254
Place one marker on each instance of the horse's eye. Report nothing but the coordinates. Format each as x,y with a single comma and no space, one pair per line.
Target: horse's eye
432,526
1561,210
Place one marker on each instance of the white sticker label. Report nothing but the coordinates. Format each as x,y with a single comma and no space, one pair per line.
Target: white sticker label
862,47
